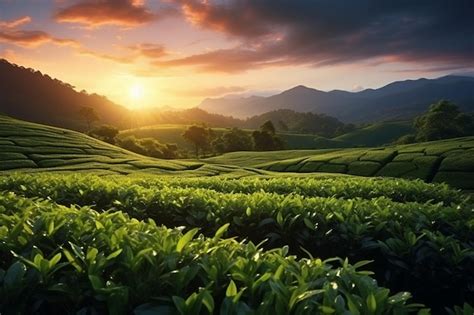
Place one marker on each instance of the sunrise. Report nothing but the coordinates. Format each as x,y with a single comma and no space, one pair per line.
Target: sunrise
236,157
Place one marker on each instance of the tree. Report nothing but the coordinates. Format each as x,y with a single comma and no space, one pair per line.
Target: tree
406,139
199,137
237,140
268,127
265,139
443,120
218,145
282,125
89,115
105,133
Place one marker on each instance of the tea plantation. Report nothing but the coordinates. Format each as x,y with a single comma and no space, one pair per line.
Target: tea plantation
88,228
38,148
450,161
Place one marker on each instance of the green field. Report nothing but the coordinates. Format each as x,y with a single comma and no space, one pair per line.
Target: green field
450,161
89,228
377,134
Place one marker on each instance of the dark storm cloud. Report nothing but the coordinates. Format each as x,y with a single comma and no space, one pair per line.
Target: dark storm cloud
312,32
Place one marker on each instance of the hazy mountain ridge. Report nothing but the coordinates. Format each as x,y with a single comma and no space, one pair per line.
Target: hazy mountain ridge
397,100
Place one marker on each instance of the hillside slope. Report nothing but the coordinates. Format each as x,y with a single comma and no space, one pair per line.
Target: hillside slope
377,134
31,95
398,100
31,147
448,161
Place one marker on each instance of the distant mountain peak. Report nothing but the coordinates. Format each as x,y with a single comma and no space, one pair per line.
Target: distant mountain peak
396,100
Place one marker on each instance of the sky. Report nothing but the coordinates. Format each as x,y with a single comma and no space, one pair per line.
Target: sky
160,53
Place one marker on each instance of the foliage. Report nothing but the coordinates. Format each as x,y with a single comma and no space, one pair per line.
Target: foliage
403,239
58,260
234,140
406,139
290,120
199,136
266,139
149,147
105,133
443,120
89,115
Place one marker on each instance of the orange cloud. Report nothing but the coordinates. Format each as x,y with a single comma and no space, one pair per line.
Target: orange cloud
120,59
107,12
15,22
10,33
149,50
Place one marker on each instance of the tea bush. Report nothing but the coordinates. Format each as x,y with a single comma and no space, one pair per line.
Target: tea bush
60,260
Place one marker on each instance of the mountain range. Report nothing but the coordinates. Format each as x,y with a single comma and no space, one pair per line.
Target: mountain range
397,100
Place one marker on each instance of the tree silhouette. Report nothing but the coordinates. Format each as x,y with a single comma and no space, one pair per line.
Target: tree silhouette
266,139
198,136
105,133
443,120
89,115
268,127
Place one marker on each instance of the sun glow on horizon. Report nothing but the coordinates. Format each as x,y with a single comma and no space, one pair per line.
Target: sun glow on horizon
137,92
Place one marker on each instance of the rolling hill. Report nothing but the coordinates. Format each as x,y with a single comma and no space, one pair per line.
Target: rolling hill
32,148
172,133
377,134
151,221
372,135
448,161
398,100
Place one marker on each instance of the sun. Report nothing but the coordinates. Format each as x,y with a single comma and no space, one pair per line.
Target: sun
136,92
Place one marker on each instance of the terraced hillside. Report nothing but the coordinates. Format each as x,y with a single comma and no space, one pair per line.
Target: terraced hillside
450,161
72,242
32,147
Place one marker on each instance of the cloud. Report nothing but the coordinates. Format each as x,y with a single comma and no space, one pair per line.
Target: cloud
119,59
320,33
207,92
129,13
149,50
10,33
15,22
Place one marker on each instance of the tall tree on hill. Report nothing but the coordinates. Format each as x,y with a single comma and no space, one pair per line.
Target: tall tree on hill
443,120
199,137
268,127
266,139
89,115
